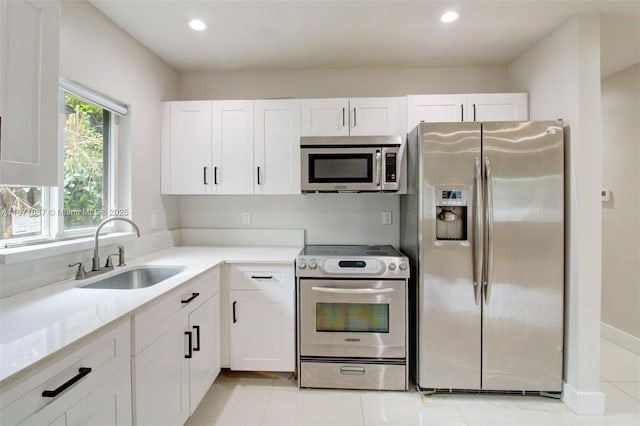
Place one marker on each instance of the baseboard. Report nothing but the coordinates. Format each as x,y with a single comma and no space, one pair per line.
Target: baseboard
583,403
620,338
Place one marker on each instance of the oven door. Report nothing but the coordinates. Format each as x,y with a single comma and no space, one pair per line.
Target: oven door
352,318
341,169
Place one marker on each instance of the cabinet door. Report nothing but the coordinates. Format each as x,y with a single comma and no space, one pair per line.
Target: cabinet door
232,144
497,107
204,366
161,378
277,147
434,109
29,46
324,117
373,116
262,330
186,148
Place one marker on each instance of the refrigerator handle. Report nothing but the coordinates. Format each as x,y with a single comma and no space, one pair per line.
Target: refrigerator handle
489,221
477,230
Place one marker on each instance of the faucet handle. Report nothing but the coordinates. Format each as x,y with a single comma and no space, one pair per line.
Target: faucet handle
80,274
109,263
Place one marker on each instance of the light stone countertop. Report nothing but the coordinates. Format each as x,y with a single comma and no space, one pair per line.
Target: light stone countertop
42,325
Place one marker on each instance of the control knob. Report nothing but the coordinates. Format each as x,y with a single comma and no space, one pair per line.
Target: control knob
302,264
403,266
313,265
392,266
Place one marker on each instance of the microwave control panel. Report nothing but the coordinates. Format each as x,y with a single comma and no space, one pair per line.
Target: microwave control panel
390,170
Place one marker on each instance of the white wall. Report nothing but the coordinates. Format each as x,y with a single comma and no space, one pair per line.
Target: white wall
326,218
341,82
621,216
98,54
562,76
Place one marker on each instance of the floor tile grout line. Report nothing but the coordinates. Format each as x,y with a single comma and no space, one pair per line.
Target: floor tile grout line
625,392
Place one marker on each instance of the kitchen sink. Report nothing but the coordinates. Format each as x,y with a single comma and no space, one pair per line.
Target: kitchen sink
139,277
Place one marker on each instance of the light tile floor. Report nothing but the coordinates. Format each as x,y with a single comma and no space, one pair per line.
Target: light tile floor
266,399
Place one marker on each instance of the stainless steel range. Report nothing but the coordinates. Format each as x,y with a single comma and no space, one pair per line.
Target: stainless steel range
352,317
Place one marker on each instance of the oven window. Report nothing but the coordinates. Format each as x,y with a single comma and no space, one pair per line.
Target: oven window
352,317
329,168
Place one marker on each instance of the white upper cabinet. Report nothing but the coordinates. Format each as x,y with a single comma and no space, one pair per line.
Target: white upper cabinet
325,117
472,107
497,107
186,147
207,147
349,117
29,72
276,146
434,108
232,141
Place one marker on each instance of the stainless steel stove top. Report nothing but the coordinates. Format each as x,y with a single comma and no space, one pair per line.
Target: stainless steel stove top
350,261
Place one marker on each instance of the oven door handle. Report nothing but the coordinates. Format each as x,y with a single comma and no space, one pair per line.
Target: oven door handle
353,290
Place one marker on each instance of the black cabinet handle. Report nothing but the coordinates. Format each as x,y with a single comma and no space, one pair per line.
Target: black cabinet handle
197,346
233,306
204,175
259,175
461,112
190,336
261,277
474,112
355,121
193,296
82,371
215,175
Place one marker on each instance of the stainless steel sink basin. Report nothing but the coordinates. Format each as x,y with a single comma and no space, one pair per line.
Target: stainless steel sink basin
139,277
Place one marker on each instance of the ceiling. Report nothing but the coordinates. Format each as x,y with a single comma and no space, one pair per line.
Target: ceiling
290,34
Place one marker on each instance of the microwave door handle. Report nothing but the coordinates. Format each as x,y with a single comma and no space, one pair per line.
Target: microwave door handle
353,290
378,167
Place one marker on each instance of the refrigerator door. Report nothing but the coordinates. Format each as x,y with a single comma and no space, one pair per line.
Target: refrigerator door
449,314
524,256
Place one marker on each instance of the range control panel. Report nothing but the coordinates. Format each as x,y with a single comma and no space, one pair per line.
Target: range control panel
307,266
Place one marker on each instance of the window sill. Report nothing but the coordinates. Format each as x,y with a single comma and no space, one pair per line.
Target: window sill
40,251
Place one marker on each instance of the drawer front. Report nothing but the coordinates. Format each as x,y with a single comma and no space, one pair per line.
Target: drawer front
353,376
69,379
262,277
149,324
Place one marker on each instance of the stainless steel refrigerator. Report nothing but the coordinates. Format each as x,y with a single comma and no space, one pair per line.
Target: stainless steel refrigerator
483,225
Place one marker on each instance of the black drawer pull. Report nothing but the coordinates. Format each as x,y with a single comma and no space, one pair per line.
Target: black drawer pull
233,306
82,371
261,277
190,336
193,296
197,329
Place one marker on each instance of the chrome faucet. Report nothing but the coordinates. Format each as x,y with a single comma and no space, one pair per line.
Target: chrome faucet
95,261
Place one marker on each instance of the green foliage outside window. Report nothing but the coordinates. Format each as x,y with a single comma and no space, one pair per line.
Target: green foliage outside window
84,178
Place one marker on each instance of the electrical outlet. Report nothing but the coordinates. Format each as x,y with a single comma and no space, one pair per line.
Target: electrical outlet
386,218
246,218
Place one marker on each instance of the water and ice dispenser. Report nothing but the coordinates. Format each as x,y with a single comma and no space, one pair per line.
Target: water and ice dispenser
451,214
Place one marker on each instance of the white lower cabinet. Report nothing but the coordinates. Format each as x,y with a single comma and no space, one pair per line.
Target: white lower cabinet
90,386
172,373
262,317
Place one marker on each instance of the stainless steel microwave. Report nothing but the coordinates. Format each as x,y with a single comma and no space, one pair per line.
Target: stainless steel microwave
352,163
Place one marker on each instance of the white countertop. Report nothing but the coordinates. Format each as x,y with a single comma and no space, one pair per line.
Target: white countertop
39,325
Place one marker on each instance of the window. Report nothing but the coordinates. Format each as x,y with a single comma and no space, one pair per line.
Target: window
85,194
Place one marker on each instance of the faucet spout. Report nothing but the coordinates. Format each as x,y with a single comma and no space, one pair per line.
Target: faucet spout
95,261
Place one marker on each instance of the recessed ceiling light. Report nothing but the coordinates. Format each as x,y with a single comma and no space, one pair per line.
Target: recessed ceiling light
197,25
449,16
